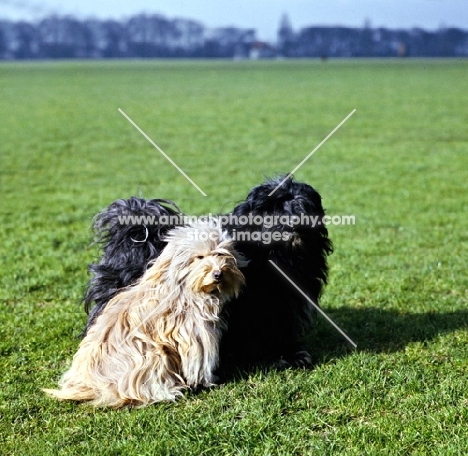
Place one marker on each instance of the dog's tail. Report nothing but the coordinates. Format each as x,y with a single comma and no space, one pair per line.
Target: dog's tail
79,393
84,393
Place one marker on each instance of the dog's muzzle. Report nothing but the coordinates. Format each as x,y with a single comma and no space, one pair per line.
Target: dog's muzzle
217,275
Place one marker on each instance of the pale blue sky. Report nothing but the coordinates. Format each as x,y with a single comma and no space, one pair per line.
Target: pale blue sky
263,15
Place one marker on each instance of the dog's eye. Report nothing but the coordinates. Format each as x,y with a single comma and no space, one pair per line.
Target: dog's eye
199,257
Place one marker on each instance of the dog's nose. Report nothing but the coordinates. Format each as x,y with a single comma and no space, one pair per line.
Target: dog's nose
217,275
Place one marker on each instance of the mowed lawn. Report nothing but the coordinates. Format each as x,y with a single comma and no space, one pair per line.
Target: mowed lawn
398,281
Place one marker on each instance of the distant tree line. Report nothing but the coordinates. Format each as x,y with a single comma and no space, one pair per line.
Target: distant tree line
153,35
369,42
140,36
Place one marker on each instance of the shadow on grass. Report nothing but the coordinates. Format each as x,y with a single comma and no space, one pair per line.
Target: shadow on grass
383,331
372,329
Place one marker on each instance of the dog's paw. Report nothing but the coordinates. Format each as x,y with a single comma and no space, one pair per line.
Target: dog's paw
211,382
301,358
281,364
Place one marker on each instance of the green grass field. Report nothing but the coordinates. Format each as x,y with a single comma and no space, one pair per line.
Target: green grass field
398,282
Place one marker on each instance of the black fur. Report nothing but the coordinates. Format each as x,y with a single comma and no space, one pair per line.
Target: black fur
127,248
269,320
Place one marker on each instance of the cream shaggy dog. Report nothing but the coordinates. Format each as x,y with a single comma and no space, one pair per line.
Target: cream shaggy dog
161,336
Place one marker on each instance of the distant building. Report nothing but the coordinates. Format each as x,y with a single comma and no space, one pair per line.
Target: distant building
262,50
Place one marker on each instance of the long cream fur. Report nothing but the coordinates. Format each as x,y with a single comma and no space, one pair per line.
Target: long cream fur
160,336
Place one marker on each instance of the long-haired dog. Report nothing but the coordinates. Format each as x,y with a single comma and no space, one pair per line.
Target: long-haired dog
269,320
161,335
131,237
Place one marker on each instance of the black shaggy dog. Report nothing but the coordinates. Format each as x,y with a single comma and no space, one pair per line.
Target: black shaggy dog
267,323
131,237
282,224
